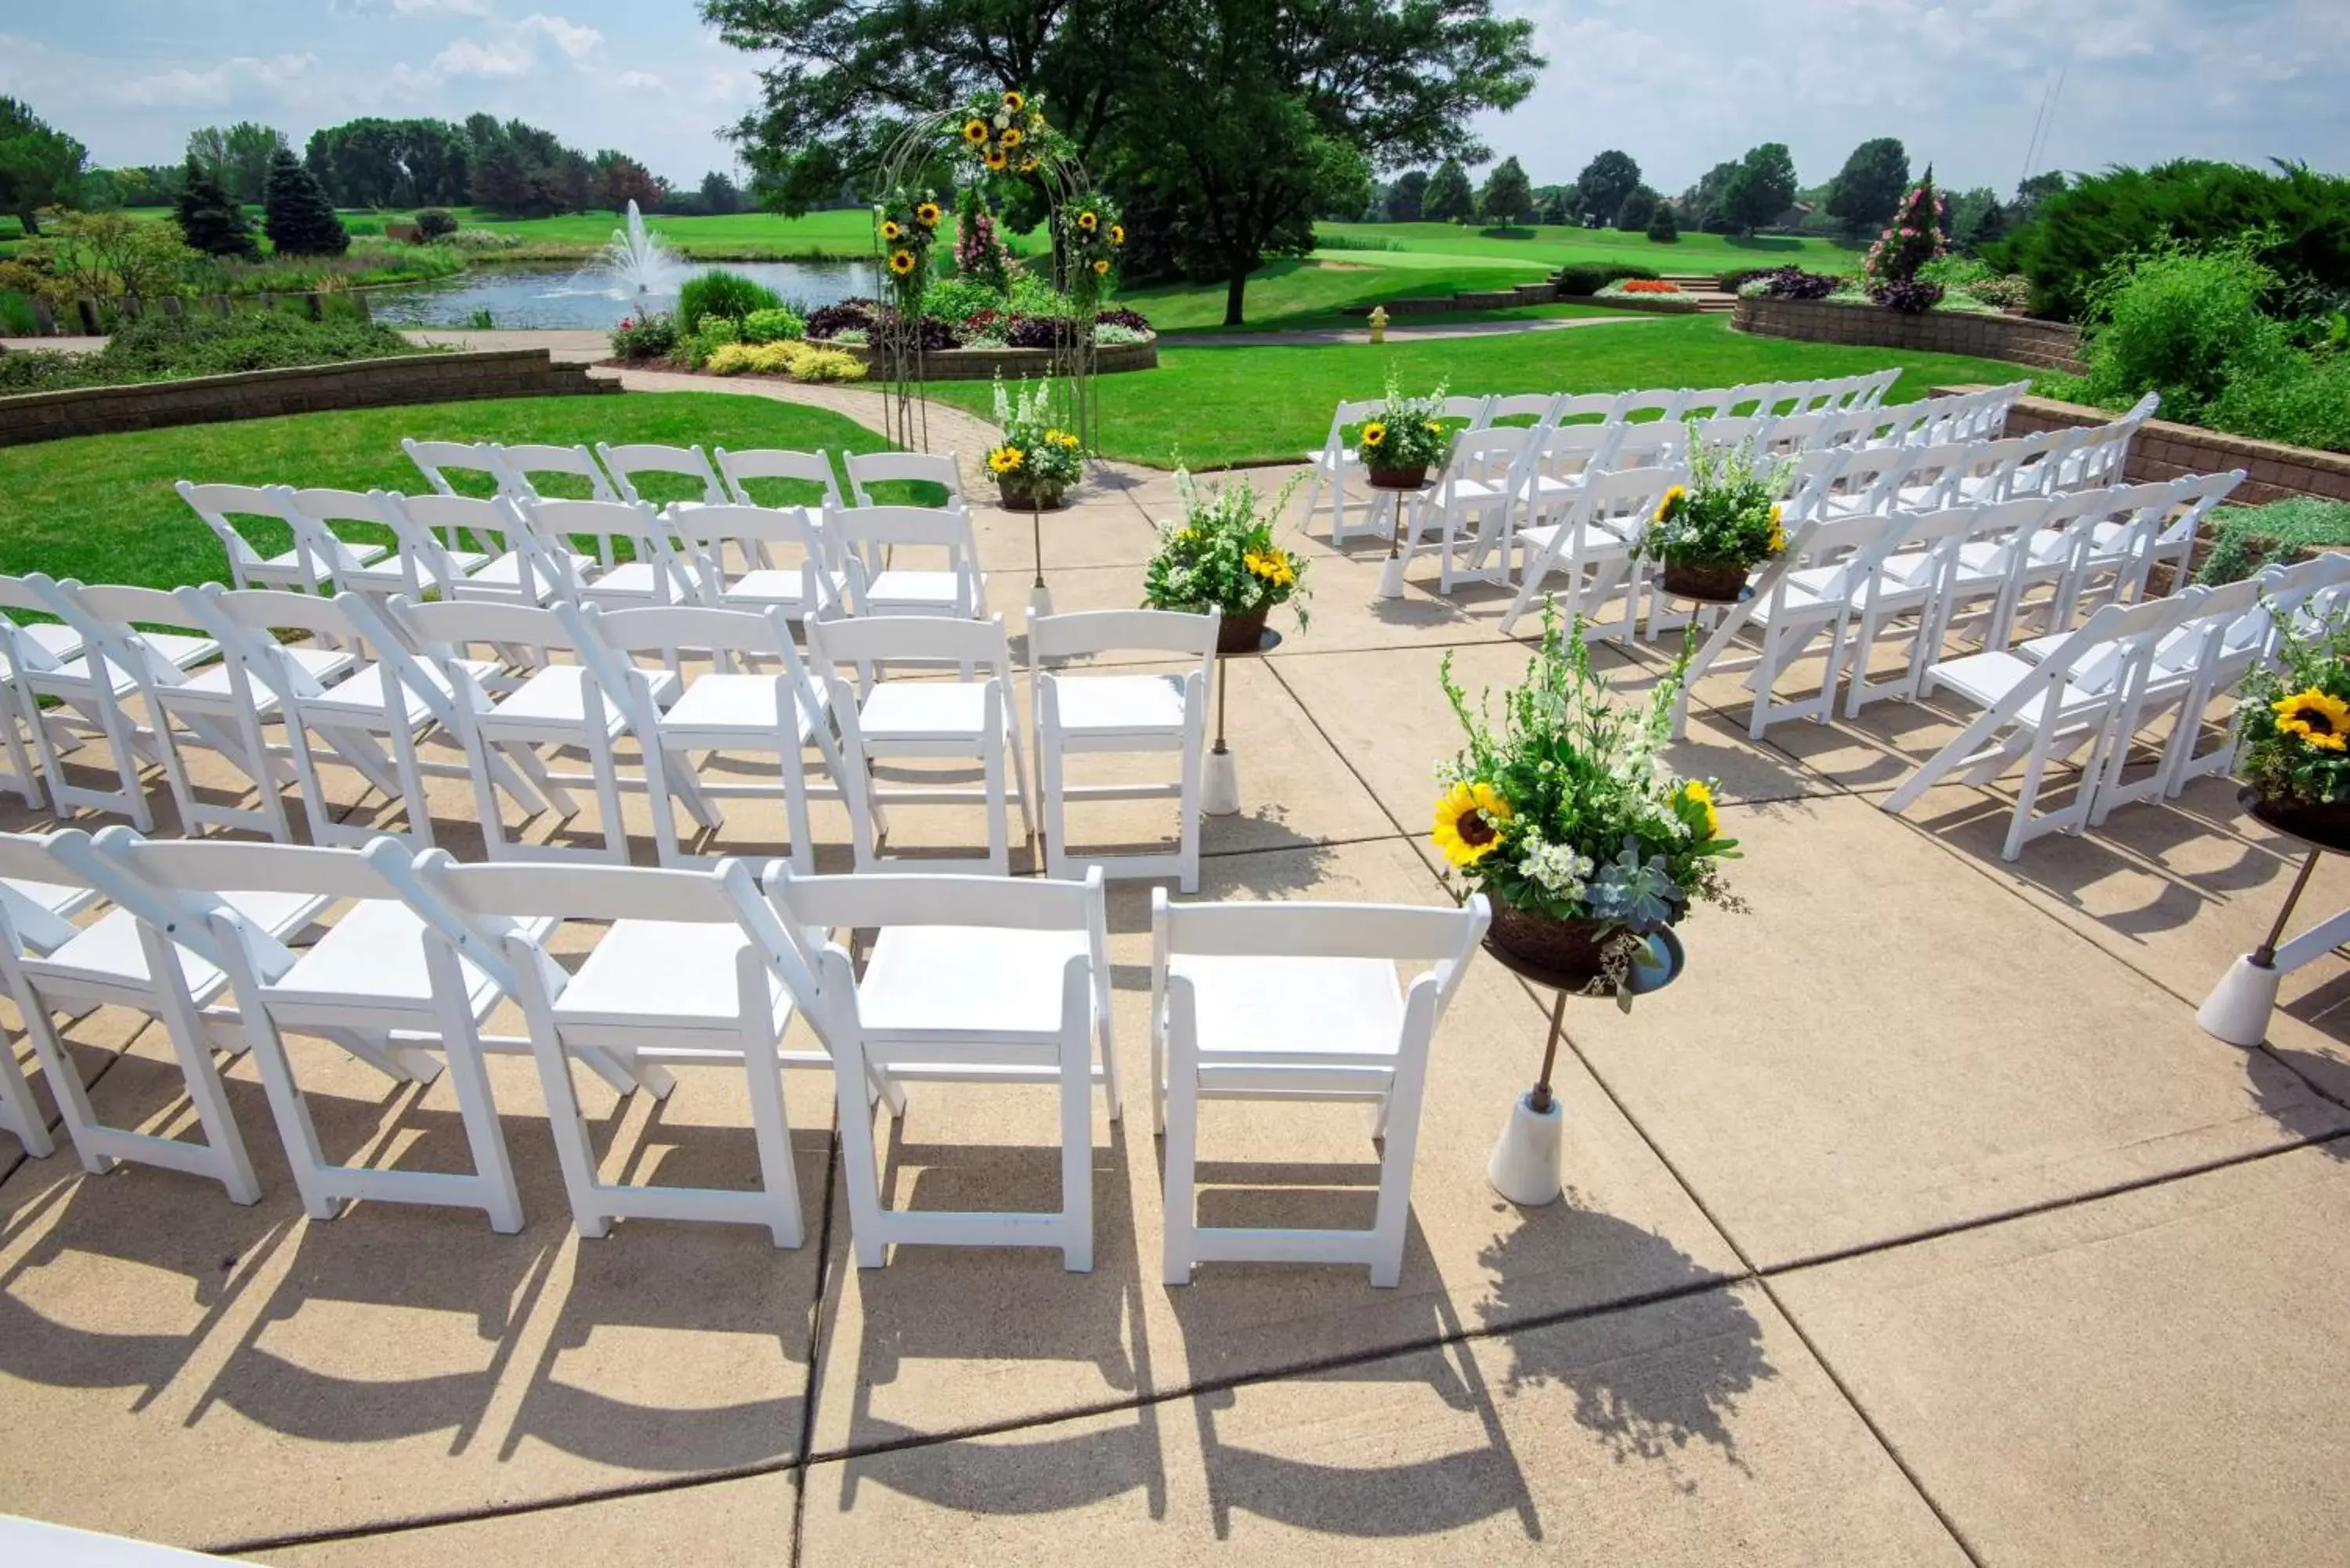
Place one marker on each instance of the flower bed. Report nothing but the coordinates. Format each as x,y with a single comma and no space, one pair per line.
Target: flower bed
1987,335
1646,294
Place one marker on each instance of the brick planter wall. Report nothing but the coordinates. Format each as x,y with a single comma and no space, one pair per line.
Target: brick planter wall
2165,451
2051,344
1485,299
258,394
982,364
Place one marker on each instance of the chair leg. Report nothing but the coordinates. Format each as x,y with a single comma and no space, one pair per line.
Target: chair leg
858,1169
20,1113
231,1164
1078,1126
1181,1112
773,1131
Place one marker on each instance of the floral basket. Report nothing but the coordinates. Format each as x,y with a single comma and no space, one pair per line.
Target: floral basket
1711,533
1404,439
1036,460
1223,557
2294,751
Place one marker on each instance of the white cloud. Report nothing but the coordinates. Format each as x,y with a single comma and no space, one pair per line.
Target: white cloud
517,50
221,85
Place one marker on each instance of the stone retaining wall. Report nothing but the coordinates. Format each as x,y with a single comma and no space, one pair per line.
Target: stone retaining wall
983,364
2051,344
1482,299
2167,450
258,394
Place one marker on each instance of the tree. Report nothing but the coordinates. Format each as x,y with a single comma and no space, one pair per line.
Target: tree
39,167
210,219
300,219
620,179
1639,208
100,255
1448,198
1558,206
1604,183
1968,209
720,194
1406,197
1912,239
1508,198
1702,203
1762,188
1872,179
1662,228
237,156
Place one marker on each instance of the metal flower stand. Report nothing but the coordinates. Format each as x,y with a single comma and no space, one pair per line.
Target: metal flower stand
1525,1166
2238,1009
1391,575
1220,791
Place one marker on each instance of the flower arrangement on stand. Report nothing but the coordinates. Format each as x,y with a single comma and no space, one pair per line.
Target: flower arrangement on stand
1711,533
1036,460
1404,439
1889,271
906,223
979,252
1566,818
1091,235
2294,755
1223,557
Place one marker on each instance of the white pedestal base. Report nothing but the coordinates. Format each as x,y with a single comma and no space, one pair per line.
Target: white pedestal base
1525,1164
1391,578
2238,1009
1040,602
1219,791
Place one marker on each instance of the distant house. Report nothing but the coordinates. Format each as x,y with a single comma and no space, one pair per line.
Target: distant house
1795,217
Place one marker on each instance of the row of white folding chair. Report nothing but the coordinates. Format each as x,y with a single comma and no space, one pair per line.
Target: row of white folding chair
965,979
513,470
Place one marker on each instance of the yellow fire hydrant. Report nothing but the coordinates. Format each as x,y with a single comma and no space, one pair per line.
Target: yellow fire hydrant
1379,323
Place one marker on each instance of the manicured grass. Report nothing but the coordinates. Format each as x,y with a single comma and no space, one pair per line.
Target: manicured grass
102,509
848,231
1288,295
1554,246
1215,406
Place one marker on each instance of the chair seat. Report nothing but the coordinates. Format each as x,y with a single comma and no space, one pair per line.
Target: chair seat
211,687
374,958
635,581
184,651
735,704
896,587
962,982
781,586
1986,678
554,699
1292,1006
1119,704
656,973
362,696
56,638
924,710
108,951
1595,543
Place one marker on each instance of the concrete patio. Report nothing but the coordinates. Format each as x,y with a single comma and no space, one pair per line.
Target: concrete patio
1917,1224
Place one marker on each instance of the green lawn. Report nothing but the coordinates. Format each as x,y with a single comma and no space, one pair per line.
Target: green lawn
1550,247
101,508
1215,406
1288,295
740,235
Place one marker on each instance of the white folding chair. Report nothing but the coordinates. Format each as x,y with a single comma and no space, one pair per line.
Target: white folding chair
868,541
508,559
2284,593
2103,455
635,559
723,710
37,917
625,462
867,469
2172,541
1336,464
524,464
330,555
2111,555
436,460
1297,1002
1592,545
787,561
738,469
677,978
247,567
1472,505
1539,410
1910,582
1557,462
28,651
935,717
1810,593
1109,711
2227,633
970,980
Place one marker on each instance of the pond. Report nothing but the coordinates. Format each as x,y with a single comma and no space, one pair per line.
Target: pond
543,297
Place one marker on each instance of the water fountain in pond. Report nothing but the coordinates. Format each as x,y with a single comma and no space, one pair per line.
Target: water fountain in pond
635,263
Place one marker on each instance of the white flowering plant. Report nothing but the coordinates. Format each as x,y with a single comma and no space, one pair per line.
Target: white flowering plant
1567,810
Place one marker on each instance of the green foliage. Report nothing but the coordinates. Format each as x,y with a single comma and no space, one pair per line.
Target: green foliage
300,219
1579,280
774,324
2252,537
1508,196
2295,718
375,162
435,223
2073,234
646,337
1909,242
1638,211
1224,556
1727,515
236,157
957,299
1449,199
1762,188
209,217
1605,182
727,294
1568,809
2298,398
1866,190
39,166
100,256
1033,453
161,347
1406,198
1663,228
2181,323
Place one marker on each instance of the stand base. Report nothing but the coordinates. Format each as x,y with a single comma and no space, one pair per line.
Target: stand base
1040,602
2238,1009
1524,1167
1220,790
1391,578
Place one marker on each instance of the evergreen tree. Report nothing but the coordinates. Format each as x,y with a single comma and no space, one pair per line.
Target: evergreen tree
1406,196
1448,198
208,218
1870,182
1639,207
1508,197
300,219
1662,228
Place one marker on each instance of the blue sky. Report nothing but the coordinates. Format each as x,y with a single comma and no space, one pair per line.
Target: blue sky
1679,84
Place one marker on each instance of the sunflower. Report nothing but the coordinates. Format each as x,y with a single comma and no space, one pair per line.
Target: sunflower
1013,137
1374,434
1118,234
995,159
1086,220
1673,495
1015,102
1101,263
891,231
2319,718
901,262
974,130
927,214
1028,165
1005,459
1272,566
1060,438
1698,791
1468,820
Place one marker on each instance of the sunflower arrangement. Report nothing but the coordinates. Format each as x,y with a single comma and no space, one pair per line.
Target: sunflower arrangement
1004,130
1726,519
2295,717
1405,432
1091,234
906,222
1566,814
1224,556
1037,458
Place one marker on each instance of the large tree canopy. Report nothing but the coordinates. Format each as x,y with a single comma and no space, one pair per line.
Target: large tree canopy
1762,188
237,156
1603,184
1864,193
39,166
1231,121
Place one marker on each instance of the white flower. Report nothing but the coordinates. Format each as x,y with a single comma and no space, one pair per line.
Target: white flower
1555,868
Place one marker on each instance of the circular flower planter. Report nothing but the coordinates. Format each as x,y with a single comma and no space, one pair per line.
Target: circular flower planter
1711,582
2326,823
1398,478
1568,948
1241,633
1023,495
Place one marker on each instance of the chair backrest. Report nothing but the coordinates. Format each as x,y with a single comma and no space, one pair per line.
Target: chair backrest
217,503
2192,497
1847,548
1538,408
1932,476
1294,928
872,535
521,463
1490,456
1811,480
244,622
1343,414
1704,403
1662,444
867,469
1083,633
876,901
1791,435
1604,407
608,525
1727,432
435,459
625,461
1475,409
1757,398
739,467
1628,496
423,524
444,630
610,640
1563,451
1921,548
103,614
1667,403
756,531
312,512
868,641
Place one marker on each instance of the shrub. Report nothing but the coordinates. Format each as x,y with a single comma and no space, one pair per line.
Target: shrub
2300,398
2011,292
1909,243
828,365
726,295
1109,332
645,337
435,223
1033,295
300,220
2178,322
733,359
1795,283
1033,332
162,348
958,299
480,240
2251,537
1738,277
1914,297
1118,316
1580,280
774,325
831,320
1662,228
